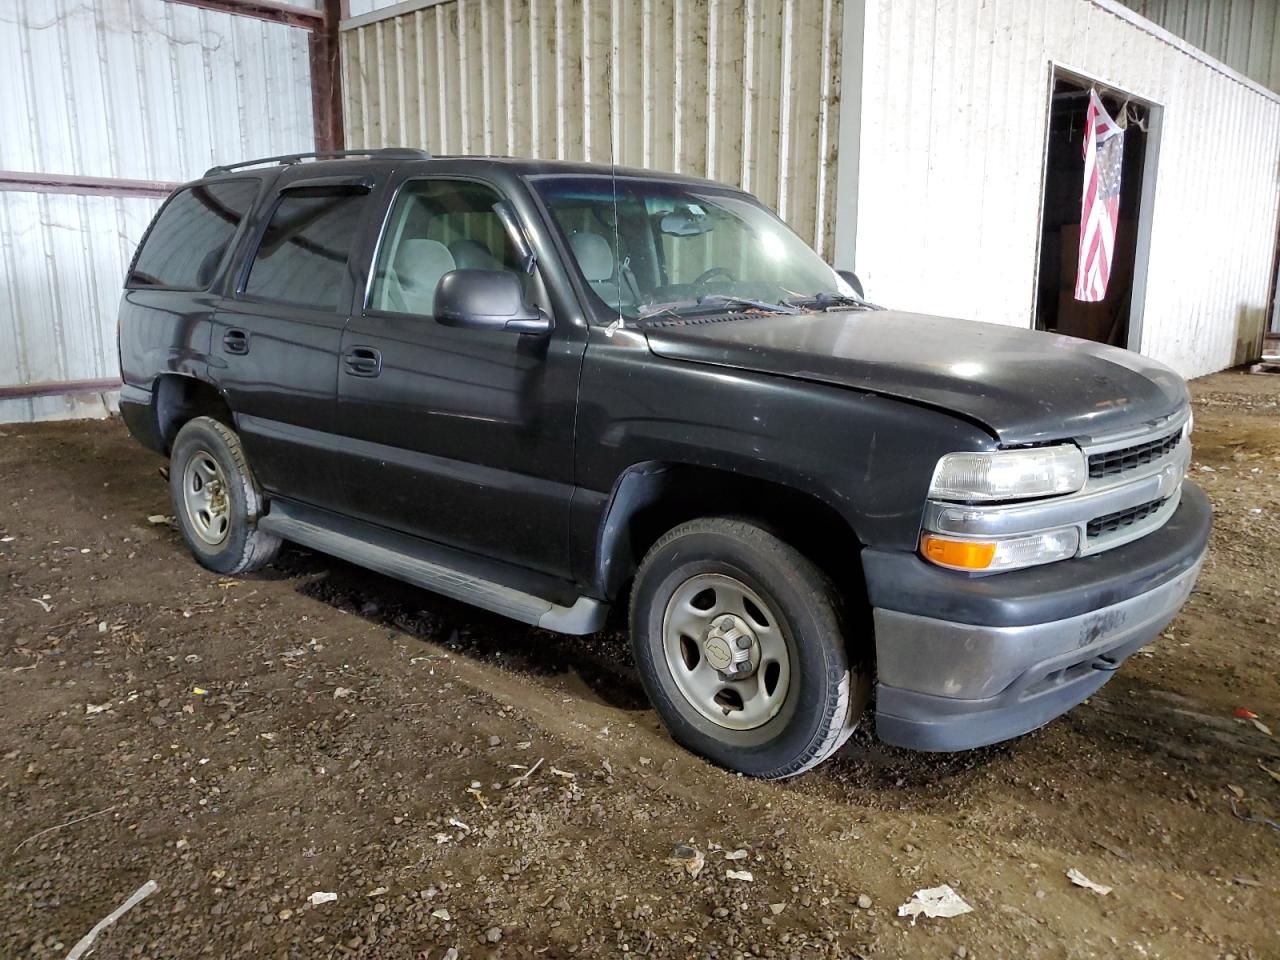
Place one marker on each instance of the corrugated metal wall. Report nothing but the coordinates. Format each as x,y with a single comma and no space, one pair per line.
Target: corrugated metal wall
138,89
744,93
1243,34
955,100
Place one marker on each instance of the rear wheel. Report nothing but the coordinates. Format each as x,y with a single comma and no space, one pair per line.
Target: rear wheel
738,641
216,500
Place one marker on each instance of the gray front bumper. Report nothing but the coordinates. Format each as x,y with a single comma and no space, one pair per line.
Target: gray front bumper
949,685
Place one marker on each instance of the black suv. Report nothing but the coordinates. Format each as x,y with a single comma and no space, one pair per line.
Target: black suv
546,388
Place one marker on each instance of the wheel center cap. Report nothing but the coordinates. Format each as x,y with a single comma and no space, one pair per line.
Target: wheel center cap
729,646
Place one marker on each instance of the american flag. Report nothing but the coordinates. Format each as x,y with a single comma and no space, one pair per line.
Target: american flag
1100,205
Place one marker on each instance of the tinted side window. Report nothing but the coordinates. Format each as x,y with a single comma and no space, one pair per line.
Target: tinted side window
437,226
302,258
184,246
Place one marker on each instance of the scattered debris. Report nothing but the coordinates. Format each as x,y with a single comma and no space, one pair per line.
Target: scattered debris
440,913
1111,849
341,692
1273,774
1080,880
1246,882
563,773
777,908
198,691
93,709
739,854
1261,726
1238,791
455,822
1245,714
939,901
321,896
376,892
527,774
69,823
85,943
691,858
744,875
474,790
158,518
864,901
1247,818
47,607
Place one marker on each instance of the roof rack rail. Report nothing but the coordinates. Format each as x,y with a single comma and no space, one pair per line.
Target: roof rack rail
403,153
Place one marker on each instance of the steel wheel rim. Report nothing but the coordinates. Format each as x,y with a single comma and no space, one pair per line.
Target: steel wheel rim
693,614
205,498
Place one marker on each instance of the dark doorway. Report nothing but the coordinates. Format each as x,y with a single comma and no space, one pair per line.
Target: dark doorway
1112,319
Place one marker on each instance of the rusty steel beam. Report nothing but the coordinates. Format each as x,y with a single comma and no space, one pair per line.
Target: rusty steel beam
326,79
24,182
27,391
270,10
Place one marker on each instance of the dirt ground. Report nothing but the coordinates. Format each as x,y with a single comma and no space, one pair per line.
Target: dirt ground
466,783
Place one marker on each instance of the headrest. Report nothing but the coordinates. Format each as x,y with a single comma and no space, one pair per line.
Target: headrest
593,254
473,255
422,262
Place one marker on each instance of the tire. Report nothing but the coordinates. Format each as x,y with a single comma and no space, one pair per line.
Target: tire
219,520
787,609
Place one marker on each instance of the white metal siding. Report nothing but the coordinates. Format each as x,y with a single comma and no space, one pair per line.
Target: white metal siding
62,258
741,92
135,89
1243,34
147,89
954,107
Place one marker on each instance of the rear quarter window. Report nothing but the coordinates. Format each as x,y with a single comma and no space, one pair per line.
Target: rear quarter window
191,234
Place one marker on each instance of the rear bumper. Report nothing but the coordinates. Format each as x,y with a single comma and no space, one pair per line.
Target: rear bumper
967,662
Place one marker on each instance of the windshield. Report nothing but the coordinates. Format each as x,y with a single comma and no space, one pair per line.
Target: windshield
675,249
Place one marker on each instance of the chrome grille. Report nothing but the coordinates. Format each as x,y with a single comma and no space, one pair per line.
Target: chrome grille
1114,462
1122,519
1134,487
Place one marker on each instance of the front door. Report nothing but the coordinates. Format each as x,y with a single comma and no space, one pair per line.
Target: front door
461,436
276,340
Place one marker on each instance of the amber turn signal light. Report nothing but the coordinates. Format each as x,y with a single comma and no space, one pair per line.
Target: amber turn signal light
960,554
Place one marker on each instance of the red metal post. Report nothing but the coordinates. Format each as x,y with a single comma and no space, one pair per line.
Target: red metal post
326,79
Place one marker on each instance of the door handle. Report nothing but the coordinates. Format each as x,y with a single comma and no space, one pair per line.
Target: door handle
236,341
363,362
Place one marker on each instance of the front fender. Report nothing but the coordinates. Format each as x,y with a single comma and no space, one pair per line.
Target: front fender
869,458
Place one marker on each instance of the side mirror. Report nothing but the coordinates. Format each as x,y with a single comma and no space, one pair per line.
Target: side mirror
851,278
487,300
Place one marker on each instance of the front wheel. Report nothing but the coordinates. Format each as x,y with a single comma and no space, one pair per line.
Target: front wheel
738,642
216,499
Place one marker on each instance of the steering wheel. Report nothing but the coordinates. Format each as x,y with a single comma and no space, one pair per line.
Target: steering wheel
713,272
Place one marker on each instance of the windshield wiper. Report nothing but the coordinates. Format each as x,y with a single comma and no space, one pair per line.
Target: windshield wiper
823,301
681,308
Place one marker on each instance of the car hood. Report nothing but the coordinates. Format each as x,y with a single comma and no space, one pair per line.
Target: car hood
1024,386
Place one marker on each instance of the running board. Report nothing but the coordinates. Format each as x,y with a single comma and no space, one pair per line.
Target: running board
302,526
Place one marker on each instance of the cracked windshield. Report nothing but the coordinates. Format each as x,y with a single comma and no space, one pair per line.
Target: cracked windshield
662,250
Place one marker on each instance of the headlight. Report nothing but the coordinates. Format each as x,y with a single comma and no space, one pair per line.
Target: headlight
1009,474
1186,427
1006,554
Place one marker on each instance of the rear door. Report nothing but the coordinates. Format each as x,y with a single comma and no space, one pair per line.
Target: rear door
276,340
462,436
